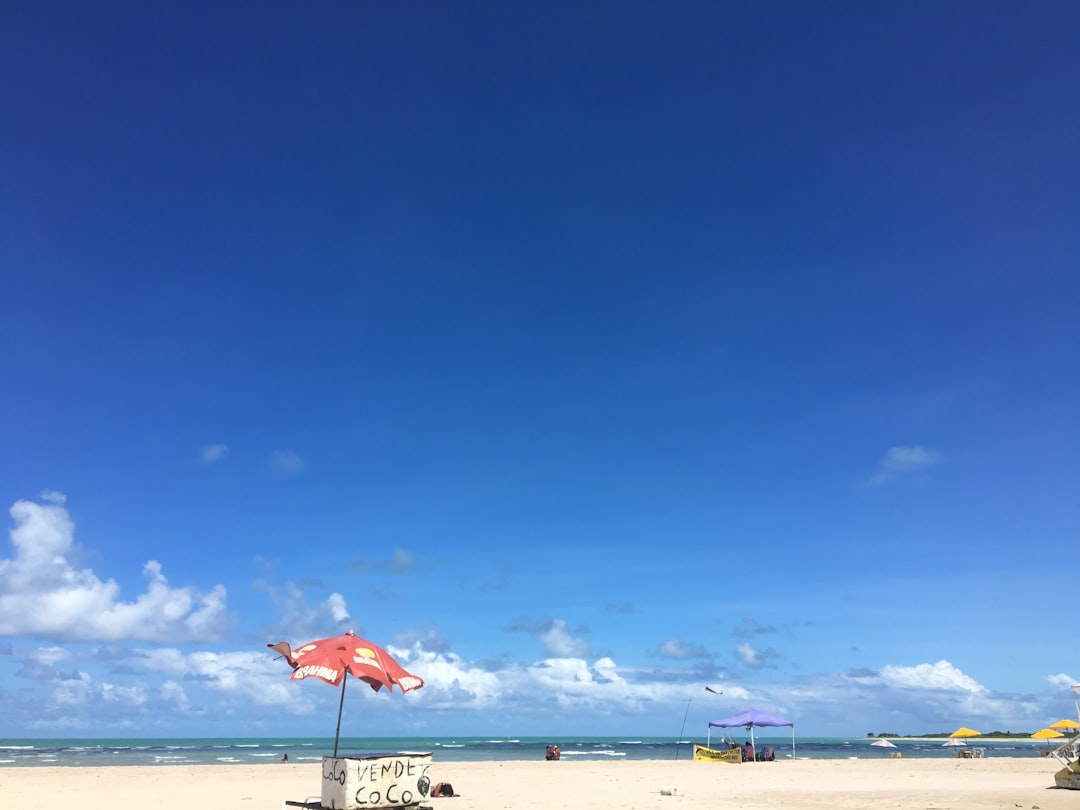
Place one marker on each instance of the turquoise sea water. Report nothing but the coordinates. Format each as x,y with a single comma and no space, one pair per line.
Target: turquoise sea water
269,751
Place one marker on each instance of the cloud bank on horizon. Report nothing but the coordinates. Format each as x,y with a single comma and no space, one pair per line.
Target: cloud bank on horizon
164,660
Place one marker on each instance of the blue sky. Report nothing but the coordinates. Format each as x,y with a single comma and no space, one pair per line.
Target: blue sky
583,356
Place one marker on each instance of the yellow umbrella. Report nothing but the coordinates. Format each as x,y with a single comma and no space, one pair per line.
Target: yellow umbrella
1046,734
1061,725
966,732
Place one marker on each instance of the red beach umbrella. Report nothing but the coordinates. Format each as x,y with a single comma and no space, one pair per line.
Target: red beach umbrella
329,659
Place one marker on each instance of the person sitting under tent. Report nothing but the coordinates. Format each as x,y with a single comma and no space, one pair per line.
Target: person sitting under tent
748,752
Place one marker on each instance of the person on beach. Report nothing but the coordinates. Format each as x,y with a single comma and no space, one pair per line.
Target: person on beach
284,757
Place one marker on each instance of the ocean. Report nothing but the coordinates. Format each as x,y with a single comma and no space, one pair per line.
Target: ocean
237,751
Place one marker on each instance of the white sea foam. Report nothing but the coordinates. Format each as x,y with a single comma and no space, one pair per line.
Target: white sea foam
593,753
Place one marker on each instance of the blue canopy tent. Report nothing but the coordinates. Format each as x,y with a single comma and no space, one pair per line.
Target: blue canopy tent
751,719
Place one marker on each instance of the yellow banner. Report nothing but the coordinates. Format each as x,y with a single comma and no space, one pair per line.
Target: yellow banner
703,754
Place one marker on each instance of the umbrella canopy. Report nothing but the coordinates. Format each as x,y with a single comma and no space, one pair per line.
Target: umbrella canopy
329,659
751,718
1062,725
882,744
966,732
955,744
1046,734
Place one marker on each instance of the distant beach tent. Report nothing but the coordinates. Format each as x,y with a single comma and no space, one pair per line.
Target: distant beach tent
882,744
955,744
751,719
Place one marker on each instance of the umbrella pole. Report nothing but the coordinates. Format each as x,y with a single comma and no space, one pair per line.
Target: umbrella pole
341,704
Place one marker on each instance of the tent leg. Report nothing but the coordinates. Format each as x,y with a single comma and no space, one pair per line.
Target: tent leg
341,705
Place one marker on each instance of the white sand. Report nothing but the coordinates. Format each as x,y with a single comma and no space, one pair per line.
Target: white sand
838,784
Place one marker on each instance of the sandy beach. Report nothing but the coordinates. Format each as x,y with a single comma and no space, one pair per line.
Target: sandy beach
919,784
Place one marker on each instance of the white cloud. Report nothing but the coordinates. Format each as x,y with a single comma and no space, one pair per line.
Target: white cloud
554,635
43,595
337,607
558,642
301,621
285,462
905,460
248,677
83,694
175,697
676,648
753,658
1062,680
212,453
941,676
